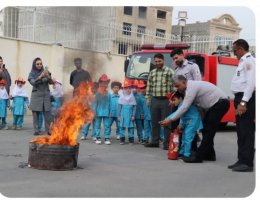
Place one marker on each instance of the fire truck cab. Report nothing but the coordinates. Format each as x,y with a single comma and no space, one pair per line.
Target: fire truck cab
218,70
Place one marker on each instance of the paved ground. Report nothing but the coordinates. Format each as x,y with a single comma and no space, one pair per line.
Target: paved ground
121,171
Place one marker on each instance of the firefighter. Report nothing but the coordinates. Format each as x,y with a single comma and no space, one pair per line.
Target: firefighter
214,101
243,86
184,67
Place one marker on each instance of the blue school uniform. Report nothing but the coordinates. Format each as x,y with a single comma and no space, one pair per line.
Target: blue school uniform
85,129
139,115
3,111
113,113
101,109
19,110
147,121
191,123
55,105
125,112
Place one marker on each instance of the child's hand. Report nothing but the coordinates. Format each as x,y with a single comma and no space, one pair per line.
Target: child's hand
118,119
165,122
132,118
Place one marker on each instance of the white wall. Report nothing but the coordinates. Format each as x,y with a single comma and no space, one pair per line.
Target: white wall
18,57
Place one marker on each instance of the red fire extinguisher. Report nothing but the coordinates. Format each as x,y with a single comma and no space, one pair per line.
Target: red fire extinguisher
173,151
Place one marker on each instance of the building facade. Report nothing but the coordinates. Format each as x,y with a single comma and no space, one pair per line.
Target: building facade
222,30
119,30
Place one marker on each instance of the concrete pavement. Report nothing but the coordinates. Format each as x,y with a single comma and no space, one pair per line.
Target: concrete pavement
121,171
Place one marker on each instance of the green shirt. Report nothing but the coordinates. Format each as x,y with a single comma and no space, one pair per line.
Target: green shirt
160,82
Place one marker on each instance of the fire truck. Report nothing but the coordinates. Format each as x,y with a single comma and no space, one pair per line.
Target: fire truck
217,69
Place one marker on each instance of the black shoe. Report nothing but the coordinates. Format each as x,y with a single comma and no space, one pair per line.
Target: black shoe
152,145
242,168
234,165
36,133
210,158
191,159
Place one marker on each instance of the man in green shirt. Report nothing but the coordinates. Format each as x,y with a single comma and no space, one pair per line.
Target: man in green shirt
159,84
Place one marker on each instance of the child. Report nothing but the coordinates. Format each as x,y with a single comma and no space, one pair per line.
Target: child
20,102
57,95
147,114
101,110
190,123
115,86
85,128
139,114
4,103
126,113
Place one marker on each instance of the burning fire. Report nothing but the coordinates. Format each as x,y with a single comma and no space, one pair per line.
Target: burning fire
73,115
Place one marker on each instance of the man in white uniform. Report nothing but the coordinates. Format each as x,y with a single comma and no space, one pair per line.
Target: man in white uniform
243,86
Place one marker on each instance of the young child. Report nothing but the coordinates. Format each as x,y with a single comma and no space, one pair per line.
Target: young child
20,102
115,86
139,114
101,110
190,124
85,128
126,113
57,94
4,103
147,114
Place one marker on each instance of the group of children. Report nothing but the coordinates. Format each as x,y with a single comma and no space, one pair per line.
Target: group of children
18,102
125,105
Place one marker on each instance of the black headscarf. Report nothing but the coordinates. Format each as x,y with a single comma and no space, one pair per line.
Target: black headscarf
35,73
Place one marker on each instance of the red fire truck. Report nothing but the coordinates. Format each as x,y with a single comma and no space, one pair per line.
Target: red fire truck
216,69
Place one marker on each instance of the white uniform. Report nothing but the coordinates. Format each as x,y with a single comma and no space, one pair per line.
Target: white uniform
244,78
202,94
190,70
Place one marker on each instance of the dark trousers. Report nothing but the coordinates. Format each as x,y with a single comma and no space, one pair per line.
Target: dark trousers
211,122
245,125
159,111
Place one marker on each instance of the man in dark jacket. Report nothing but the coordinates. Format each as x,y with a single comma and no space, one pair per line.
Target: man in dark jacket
4,74
79,75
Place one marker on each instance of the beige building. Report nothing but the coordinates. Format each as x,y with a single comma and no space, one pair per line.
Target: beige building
222,30
118,30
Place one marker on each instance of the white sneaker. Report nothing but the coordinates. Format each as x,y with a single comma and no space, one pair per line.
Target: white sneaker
118,137
94,138
83,138
98,141
107,141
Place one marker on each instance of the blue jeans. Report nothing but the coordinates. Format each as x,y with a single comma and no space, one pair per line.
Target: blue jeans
111,120
97,125
18,120
139,128
130,132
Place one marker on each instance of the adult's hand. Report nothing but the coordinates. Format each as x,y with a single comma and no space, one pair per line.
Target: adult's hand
240,110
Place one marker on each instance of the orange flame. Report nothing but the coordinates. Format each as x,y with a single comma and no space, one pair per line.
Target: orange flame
73,115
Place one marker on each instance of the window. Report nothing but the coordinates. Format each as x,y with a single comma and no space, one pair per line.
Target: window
128,10
127,28
160,32
136,47
140,30
161,14
142,12
122,48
